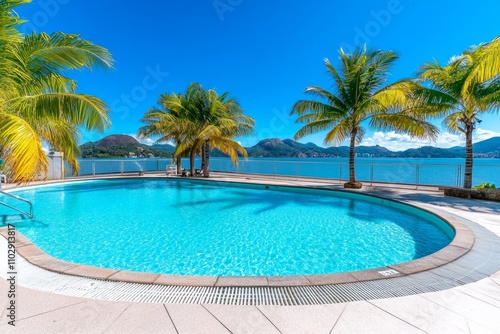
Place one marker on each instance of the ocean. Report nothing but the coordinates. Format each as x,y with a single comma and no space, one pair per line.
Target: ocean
422,171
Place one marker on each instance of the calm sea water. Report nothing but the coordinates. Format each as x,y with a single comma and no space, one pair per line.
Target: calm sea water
447,172
191,227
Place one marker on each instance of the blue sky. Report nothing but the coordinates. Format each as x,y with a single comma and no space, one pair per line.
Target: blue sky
263,52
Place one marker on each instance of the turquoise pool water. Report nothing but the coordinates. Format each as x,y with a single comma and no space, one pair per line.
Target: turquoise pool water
186,227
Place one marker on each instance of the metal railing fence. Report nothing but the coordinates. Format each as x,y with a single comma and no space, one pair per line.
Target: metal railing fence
420,173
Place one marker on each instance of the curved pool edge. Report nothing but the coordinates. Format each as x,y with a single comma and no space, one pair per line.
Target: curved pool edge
461,244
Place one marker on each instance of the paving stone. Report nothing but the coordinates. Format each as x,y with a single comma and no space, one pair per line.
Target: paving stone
287,280
133,277
186,280
194,319
470,307
486,290
242,319
142,318
424,314
91,316
362,317
88,271
241,281
311,319
30,303
476,328
437,312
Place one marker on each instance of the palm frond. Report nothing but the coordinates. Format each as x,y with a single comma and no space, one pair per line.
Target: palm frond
360,134
22,148
340,132
229,147
361,93
338,80
80,109
313,127
325,110
10,20
62,136
486,65
323,93
414,126
59,51
37,100
454,122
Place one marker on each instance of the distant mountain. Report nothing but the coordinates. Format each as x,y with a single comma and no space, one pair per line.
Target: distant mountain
119,146
488,147
116,140
163,147
124,145
277,148
288,148
291,149
429,152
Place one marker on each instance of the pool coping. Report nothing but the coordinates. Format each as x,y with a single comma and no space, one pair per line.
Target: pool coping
461,244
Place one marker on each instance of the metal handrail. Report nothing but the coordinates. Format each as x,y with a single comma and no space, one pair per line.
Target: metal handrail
412,171
30,214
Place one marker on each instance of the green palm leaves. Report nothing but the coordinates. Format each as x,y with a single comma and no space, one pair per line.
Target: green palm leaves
37,101
361,95
197,121
467,87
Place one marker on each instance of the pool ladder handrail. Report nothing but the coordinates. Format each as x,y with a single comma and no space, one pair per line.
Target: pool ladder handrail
30,214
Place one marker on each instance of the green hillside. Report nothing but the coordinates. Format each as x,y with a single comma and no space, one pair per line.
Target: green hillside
120,146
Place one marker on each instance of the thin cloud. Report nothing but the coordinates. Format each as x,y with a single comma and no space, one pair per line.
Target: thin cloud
482,134
400,142
145,141
150,141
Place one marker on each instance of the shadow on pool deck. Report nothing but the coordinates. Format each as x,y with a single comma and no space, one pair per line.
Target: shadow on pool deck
438,199
468,308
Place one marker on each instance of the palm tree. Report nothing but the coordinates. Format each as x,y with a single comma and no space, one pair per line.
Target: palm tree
467,87
167,123
227,120
216,119
197,121
38,102
360,94
186,106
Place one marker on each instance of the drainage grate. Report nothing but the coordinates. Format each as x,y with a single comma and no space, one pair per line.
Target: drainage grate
480,262
430,281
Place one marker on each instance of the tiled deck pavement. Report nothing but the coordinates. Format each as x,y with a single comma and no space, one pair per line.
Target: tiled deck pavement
471,308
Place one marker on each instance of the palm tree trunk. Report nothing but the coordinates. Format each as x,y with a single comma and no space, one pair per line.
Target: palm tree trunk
203,148
191,162
468,156
206,158
352,173
178,162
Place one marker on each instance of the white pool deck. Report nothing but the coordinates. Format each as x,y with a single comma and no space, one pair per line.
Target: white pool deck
469,308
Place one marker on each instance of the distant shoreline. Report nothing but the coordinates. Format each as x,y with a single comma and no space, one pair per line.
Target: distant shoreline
124,146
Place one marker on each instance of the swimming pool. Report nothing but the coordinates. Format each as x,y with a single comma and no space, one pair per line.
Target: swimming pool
189,227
